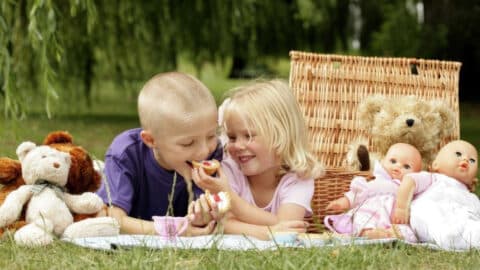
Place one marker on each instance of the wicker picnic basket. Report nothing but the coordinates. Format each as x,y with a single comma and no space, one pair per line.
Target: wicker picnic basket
328,89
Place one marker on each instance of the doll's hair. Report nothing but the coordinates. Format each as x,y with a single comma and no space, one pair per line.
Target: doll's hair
172,95
270,108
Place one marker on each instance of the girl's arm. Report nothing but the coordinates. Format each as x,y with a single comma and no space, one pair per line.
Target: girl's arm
262,232
239,207
401,213
242,209
249,213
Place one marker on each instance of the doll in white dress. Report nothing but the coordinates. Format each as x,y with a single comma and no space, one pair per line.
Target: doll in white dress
445,212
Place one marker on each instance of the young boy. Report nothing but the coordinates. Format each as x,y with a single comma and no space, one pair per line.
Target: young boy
148,169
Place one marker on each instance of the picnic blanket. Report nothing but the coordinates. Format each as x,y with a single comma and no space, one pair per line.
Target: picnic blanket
222,242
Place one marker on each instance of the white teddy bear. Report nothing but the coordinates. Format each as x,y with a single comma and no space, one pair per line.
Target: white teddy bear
49,206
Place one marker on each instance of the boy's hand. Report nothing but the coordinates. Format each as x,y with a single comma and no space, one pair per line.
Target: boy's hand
196,231
199,212
340,204
214,184
400,216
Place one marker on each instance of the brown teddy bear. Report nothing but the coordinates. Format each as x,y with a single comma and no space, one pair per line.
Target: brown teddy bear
82,176
406,119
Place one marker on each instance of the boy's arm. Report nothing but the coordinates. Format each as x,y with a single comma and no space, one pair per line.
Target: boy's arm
401,213
129,225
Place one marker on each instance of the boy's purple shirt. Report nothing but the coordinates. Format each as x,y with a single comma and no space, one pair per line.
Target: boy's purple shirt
138,184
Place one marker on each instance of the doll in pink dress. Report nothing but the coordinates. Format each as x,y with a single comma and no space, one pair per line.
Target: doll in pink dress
445,212
370,204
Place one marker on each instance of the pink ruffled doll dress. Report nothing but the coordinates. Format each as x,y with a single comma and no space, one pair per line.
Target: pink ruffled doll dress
371,204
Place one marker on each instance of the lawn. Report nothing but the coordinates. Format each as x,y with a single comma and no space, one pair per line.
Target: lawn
94,129
64,256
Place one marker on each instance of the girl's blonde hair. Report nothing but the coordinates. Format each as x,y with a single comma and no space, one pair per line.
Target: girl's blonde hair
270,108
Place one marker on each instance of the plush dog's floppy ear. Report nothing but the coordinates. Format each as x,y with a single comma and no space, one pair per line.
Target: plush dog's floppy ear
58,137
369,107
24,148
10,170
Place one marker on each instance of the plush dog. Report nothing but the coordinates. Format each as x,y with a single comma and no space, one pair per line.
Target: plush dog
82,177
407,119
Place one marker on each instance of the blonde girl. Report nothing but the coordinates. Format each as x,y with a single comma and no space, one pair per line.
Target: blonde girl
269,168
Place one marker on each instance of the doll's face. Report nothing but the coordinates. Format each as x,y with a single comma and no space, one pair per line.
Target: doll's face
457,159
401,159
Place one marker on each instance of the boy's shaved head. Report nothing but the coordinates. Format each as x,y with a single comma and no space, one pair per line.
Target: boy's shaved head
172,96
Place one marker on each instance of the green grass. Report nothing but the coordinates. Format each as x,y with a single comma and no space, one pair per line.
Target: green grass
397,256
111,114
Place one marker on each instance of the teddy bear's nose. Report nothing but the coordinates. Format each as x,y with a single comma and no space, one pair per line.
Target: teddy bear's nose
410,122
56,165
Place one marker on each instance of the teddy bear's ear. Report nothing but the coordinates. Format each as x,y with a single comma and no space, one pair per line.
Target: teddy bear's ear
446,114
369,107
24,148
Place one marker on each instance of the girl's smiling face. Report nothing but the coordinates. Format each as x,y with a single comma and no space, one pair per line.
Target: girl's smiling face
248,148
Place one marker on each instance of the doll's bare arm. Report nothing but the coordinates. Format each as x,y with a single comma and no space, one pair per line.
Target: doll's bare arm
401,213
85,203
13,205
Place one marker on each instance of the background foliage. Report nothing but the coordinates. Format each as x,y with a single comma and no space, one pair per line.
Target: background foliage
52,53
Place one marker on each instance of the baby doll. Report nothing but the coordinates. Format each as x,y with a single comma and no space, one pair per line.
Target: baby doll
444,212
371,203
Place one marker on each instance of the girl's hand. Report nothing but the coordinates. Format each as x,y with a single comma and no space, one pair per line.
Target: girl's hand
290,226
340,204
400,216
213,184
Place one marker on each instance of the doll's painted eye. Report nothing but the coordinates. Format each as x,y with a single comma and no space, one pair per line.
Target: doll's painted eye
406,167
472,161
458,154
393,161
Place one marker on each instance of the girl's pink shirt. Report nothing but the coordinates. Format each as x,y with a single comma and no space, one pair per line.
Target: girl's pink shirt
290,189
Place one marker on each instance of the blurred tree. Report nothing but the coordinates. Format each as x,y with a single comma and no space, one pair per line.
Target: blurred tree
455,25
59,49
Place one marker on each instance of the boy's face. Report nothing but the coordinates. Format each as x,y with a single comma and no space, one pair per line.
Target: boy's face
458,160
401,160
185,138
